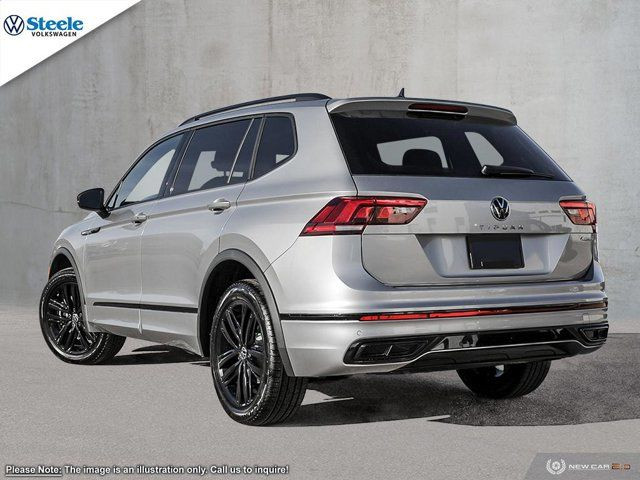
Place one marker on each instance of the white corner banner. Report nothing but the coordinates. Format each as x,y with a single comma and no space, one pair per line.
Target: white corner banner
36,29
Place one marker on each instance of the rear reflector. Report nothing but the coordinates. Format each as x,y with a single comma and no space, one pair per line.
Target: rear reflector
579,212
483,312
350,215
439,107
424,316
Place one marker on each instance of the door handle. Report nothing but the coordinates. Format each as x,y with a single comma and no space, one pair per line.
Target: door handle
140,218
91,231
219,205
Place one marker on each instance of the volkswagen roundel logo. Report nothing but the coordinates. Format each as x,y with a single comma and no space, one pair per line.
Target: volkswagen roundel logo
500,208
14,24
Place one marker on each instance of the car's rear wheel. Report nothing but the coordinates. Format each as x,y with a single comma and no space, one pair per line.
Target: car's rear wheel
505,381
248,374
64,328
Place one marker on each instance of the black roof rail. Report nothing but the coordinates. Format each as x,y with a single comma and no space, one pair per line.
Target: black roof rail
298,97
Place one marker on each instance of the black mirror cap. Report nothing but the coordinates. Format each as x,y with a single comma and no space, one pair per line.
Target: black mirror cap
92,199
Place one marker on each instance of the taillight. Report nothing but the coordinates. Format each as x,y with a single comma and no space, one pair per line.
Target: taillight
579,212
349,215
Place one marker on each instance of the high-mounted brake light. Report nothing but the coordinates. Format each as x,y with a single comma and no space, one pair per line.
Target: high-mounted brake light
350,215
439,107
579,212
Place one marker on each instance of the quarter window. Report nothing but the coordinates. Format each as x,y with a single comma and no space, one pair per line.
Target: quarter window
277,144
145,180
209,157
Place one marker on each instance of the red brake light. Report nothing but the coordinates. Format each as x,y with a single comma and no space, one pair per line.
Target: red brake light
439,107
349,215
579,212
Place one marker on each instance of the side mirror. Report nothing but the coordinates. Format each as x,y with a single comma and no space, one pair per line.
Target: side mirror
92,199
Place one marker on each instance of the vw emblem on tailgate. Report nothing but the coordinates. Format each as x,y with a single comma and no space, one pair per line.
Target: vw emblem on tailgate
500,208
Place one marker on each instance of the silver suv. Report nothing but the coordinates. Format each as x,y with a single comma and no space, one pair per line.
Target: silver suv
303,236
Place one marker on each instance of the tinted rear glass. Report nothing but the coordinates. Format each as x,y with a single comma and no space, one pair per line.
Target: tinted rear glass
400,143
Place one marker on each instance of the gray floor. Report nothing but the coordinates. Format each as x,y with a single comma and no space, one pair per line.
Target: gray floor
156,405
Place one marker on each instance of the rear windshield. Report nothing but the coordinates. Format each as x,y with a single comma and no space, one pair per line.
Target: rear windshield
401,143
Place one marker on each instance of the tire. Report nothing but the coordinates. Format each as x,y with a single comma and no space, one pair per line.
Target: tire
247,370
64,329
512,381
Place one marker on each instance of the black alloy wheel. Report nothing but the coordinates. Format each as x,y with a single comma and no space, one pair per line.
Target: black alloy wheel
63,325
240,358
248,373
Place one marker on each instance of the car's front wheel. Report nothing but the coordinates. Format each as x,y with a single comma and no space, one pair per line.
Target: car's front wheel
247,370
63,327
505,381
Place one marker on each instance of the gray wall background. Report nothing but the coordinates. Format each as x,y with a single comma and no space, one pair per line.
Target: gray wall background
570,70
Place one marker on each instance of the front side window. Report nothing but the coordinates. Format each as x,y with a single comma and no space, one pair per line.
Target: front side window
277,144
145,180
209,157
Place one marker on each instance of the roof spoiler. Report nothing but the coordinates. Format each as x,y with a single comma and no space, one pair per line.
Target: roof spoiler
422,105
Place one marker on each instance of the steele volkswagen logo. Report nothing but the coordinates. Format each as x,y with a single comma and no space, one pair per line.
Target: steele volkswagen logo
43,27
13,24
500,208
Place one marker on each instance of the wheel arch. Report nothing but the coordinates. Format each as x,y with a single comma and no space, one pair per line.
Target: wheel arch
63,258
233,258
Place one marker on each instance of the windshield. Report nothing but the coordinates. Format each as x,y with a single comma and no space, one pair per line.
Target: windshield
406,143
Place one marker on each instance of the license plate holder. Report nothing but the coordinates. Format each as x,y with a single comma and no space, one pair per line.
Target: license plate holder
497,251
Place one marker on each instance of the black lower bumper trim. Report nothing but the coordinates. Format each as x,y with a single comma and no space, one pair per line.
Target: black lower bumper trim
462,350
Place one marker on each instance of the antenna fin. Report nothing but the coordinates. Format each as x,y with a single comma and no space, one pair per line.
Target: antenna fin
401,94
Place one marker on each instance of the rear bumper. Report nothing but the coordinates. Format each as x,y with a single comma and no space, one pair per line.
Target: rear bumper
344,345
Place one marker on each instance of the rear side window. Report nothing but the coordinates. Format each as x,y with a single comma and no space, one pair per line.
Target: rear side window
400,143
209,157
277,144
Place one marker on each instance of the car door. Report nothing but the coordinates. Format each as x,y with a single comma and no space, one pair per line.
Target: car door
182,234
112,267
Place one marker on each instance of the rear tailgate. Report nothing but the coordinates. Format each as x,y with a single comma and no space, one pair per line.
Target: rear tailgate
433,248
437,151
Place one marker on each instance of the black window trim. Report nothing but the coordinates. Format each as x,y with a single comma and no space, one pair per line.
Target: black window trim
253,150
174,171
